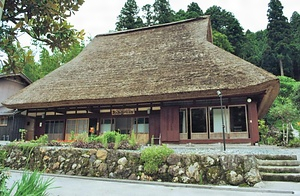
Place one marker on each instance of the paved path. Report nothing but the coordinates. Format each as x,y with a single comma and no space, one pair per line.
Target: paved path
81,186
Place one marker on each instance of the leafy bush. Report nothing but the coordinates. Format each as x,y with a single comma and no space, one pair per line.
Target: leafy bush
117,141
154,156
72,137
295,142
110,136
3,154
43,139
82,137
132,140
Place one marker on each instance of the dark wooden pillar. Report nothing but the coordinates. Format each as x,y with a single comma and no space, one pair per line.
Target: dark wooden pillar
253,122
169,124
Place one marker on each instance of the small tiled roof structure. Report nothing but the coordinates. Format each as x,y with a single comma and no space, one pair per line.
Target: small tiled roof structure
173,61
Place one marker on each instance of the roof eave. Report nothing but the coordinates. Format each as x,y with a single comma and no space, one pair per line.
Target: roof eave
270,90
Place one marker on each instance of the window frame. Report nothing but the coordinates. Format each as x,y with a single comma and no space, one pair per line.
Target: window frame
3,121
76,131
191,120
246,118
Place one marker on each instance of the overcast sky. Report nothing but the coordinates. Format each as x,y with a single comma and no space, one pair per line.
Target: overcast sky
99,16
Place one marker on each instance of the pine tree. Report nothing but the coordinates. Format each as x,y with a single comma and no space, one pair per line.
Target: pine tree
128,18
193,10
148,14
295,44
162,12
278,52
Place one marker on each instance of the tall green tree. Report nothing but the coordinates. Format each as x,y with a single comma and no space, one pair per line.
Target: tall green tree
162,12
50,61
254,46
45,21
193,10
180,15
222,41
278,33
225,23
295,45
128,18
148,14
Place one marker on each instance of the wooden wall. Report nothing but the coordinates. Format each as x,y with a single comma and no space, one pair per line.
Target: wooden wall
169,124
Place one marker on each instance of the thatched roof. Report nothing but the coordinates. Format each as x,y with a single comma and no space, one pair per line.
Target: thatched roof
166,62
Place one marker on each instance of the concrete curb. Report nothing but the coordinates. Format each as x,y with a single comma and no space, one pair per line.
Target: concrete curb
170,184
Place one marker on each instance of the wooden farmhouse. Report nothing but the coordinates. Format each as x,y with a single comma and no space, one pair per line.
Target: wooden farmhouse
156,81
11,120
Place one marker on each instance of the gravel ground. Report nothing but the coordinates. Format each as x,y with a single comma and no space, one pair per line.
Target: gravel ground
234,149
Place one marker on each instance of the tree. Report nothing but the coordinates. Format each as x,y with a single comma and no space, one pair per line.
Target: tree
45,21
284,111
225,23
295,45
254,46
128,18
148,14
278,29
180,15
193,10
162,12
221,41
20,57
49,62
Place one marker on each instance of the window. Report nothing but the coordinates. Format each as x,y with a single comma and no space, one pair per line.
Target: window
198,120
215,116
3,121
77,125
141,125
238,119
106,125
183,120
54,126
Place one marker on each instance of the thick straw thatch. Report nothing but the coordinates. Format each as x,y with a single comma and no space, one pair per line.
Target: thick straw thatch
166,62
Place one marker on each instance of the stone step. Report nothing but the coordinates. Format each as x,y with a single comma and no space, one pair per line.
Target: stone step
278,162
279,169
291,177
276,157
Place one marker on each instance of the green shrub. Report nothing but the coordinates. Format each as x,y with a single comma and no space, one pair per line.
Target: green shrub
3,154
295,142
72,137
82,137
154,156
132,140
117,141
110,136
43,139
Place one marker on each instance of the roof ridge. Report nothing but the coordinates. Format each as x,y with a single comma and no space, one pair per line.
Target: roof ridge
154,26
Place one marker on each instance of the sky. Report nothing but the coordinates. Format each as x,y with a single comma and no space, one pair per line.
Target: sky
99,16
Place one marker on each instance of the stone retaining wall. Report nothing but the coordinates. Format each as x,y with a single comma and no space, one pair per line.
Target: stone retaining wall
181,168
